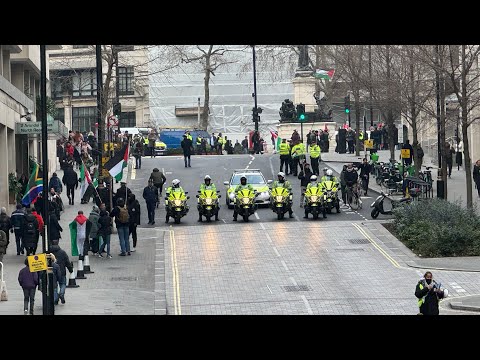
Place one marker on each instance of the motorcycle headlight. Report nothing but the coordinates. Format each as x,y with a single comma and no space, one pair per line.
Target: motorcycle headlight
279,198
208,201
177,202
313,198
245,200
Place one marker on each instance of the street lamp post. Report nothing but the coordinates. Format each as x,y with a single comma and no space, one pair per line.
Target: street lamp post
440,182
47,276
100,120
256,117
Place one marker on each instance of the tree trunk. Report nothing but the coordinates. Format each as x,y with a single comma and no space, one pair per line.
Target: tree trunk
464,105
206,103
357,122
442,136
205,113
390,131
413,113
468,162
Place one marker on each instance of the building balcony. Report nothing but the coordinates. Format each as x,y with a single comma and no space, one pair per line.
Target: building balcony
29,57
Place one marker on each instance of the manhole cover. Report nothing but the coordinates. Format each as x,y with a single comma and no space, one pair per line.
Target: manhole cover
292,288
359,241
124,278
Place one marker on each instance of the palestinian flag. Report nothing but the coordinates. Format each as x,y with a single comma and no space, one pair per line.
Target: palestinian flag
95,178
119,162
34,186
276,138
324,74
85,179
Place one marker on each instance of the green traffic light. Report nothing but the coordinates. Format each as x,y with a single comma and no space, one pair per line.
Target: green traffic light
302,116
347,111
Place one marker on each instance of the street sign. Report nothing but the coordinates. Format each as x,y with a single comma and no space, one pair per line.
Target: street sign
405,153
37,262
368,144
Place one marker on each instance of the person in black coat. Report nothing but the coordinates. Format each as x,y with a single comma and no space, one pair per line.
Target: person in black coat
104,193
30,237
429,293
304,177
105,231
64,263
187,147
54,228
150,194
134,213
70,180
123,192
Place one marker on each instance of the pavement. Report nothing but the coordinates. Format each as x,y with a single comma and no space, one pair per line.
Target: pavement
456,193
338,265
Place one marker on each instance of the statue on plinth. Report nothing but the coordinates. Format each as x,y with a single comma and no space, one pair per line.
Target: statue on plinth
304,68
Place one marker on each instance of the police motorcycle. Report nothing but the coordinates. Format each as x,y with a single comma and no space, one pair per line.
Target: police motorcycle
314,201
208,205
176,203
245,203
329,189
281,201
378,207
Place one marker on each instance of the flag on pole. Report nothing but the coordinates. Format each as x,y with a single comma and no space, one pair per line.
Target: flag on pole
95,178
324,74
34,186
85,179
275,139
119,162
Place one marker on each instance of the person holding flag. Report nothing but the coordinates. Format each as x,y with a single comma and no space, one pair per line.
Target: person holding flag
88,184
80,229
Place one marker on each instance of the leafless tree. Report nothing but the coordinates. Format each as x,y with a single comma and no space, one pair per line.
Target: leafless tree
210,57
350,59
464,74
416,88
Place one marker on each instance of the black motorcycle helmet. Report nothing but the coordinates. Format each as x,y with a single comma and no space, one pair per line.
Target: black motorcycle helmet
243,180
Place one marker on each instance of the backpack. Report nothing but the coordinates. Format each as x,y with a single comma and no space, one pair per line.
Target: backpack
30,228
123,216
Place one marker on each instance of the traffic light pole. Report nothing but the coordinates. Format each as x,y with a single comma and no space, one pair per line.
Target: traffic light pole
255,111
100,120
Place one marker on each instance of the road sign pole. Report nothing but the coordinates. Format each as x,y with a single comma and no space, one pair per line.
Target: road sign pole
301,130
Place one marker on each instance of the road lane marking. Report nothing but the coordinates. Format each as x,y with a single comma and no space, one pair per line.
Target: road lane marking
296,217
276,251
268,237
250,163
293,281
163,170
176,284
269,289
285,265
307,305
262,226
133,174
168,173
388,257
246,168
256,215
224,221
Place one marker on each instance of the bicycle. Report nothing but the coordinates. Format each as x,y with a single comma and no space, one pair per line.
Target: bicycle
427,177
353,197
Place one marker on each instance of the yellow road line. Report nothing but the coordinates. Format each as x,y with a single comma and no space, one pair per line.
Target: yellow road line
176,283
388,257
176,274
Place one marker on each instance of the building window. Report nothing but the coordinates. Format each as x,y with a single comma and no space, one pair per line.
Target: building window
84,118
128,119
125,78
80,46
60,115
57,92
84,83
